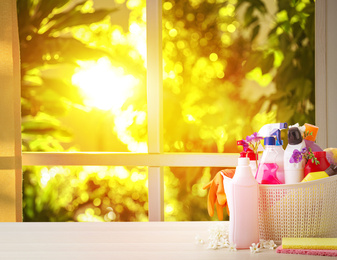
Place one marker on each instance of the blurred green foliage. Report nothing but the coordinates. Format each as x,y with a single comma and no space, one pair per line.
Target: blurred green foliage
87,194
221,83
288,56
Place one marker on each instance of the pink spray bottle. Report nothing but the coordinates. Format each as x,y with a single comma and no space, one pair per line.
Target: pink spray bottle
242,194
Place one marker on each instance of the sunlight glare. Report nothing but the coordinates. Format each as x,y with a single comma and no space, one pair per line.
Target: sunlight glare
104,86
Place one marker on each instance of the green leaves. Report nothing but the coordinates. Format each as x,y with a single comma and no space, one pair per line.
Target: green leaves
75,17
267,63
41,51
293,36
259,59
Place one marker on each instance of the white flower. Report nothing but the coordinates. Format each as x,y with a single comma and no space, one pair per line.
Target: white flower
263,243
268,244
272,245
232,247
212,245
218,237
199,240
255,248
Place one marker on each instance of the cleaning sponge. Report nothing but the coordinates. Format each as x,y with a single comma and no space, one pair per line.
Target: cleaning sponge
309,243
317,252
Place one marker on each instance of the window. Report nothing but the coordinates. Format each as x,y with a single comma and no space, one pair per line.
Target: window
155,159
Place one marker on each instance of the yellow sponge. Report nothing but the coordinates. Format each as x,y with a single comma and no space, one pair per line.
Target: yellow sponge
309,243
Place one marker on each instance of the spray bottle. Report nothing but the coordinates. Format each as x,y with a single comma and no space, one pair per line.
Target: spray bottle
242,193
280,156
294,172
267,171
271,169
249,153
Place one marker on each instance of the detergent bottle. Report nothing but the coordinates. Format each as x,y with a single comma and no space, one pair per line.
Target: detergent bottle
248,152
271,167
268,167
242,194
294,172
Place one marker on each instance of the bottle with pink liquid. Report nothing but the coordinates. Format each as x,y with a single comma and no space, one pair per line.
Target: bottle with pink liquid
242,197
270,170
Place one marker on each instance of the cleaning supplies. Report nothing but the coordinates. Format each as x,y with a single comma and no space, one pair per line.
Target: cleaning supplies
331,155
280,156
316,252
275,130
310,137
269,129
309,243
322,165
253,161
242,195
248,152
330,171
294,172
269,165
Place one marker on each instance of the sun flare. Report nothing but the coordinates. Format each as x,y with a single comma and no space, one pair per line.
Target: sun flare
104,86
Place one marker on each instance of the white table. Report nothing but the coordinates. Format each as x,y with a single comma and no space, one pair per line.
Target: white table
126,240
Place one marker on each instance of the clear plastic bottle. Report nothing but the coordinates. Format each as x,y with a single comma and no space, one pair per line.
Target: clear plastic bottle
280,158
294,172
269,169
243,206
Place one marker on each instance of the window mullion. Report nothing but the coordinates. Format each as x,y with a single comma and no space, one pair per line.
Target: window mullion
155,106
321,73
10,116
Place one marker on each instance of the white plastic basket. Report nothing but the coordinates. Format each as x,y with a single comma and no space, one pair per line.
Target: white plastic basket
307,209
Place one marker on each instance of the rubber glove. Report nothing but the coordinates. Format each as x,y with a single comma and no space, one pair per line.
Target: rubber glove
216,194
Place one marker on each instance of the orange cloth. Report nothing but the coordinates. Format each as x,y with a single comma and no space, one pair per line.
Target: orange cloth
216,194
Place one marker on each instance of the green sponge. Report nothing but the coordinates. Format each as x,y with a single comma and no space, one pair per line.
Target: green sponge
309,243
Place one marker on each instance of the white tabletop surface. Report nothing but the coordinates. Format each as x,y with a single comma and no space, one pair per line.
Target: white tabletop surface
126,240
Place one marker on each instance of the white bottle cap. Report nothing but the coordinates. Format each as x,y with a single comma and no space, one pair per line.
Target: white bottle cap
243,162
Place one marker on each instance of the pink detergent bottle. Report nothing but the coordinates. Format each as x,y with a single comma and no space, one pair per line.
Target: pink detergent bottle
243,206
271,165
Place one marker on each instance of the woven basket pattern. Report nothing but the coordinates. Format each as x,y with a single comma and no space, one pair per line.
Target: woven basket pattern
306,209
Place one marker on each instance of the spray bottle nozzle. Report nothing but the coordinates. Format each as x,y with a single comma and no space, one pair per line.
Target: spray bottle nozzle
252,156
243,155
244,145
273,130
277,133
283,125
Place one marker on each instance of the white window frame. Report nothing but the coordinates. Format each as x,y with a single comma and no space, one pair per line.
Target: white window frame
156,159
326,72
